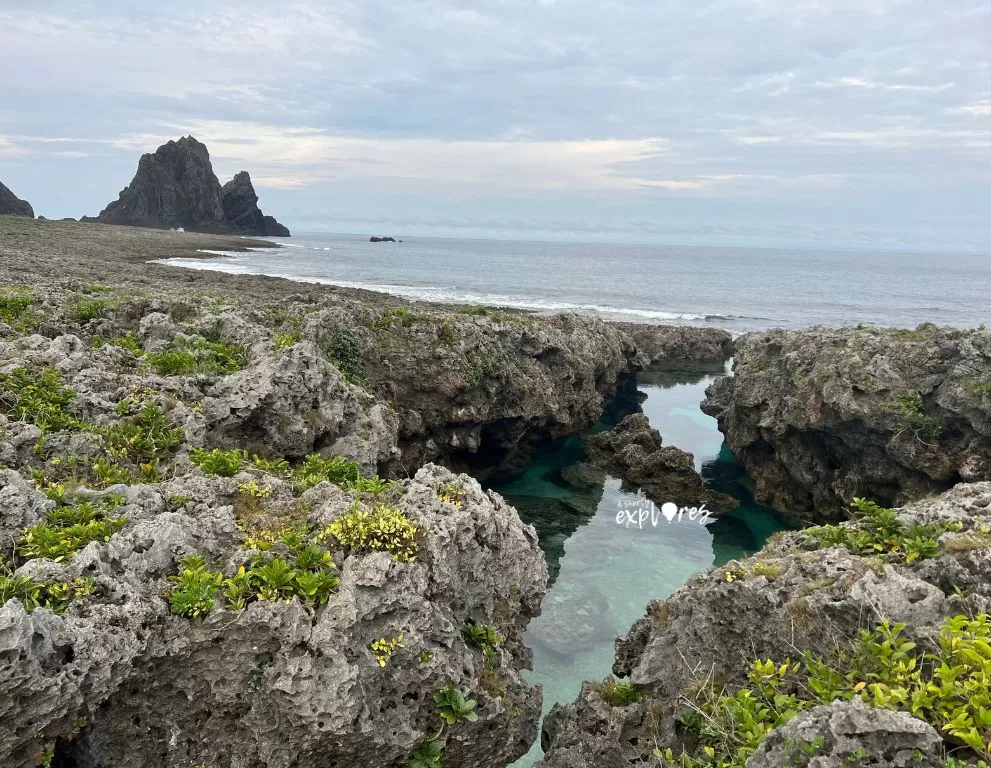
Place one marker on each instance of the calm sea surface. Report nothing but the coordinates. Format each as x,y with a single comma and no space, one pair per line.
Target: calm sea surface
735,288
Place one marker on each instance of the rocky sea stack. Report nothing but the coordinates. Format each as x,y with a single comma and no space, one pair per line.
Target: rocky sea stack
242,212
175,187
12,205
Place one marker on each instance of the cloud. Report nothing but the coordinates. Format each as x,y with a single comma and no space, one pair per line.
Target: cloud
836,108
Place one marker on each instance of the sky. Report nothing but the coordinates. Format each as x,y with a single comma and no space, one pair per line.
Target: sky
862,123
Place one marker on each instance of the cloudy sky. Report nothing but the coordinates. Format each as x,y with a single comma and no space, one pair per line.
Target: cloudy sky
844,122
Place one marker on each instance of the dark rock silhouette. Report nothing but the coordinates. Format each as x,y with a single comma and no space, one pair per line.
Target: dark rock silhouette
12,205
374,239
240,204
175,187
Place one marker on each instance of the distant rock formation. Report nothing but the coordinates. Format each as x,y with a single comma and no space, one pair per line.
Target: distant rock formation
240,203
12,205
175,188
374,239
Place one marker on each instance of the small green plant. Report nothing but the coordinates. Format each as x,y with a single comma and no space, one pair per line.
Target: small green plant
879,531
926,428
482,366
130,342
87,310
15,310
55,596
70,527
218,462
453,493
272,466
287,339
315,469
383,648
375,486
196,587
482,636
255,491
428,755
619,693
39,397
377,527
398,317
345,352
424,657
453,707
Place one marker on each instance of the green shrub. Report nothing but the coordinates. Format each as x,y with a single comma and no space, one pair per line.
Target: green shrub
218,462
619,693
15,310
428,755
345,352
38,397
86,310
879,531
196,587
144,437
376,528
315,469
399,317
482,366
925,427
453,707
287,339
70,527
947,688
130,342
482,636
272,466
55,596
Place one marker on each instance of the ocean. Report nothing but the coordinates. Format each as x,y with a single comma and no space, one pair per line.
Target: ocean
739,289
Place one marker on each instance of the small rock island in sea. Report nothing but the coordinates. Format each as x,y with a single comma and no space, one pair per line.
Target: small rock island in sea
175,187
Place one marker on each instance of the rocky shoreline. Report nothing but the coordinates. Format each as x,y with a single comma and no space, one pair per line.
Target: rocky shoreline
221,529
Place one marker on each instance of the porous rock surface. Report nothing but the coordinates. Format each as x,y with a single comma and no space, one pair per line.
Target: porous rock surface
786,600
12,205
678,343
820,416
634,451
120,681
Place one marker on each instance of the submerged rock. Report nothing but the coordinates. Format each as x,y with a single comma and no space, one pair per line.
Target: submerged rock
799,595
240,204
119,680
376,239
12,205
634,451
818,417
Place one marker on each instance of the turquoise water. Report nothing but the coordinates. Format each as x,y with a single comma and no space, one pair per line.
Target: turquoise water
604,574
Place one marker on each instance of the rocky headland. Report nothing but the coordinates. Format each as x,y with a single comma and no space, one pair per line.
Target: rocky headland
12,205
175,187
821,416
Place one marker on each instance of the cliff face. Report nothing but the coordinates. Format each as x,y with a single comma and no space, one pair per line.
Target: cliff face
242,212
176,187
12,205
818,417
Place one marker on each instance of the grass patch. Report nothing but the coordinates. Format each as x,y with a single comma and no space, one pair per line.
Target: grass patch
85,311
214,358
345,352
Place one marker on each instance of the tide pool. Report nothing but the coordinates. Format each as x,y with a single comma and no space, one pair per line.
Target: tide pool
604,572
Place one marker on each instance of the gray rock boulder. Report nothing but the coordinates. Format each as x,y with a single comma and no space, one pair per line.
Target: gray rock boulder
12,205
240,203
848,733
820,416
